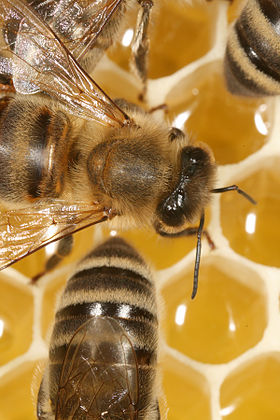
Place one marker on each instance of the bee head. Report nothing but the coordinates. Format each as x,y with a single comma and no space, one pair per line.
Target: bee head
192,192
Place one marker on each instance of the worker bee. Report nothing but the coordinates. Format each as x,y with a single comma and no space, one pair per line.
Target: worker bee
252,55
71,157
103,348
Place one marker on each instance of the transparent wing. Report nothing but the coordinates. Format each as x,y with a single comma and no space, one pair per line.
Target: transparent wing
38,61
24,231
77,23
99,378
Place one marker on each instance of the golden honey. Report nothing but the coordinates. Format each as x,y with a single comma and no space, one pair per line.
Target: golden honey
186,391
229,334
16,394
16,319
252,390
253,231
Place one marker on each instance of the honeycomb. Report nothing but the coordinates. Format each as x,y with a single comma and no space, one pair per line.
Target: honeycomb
220,353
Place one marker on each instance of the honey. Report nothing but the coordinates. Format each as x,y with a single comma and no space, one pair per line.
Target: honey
186,391
16,319
219,352
16,393
252,230
252,390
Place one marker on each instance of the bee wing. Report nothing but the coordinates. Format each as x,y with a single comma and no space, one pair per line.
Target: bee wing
99,377
24,231
78,27
38,61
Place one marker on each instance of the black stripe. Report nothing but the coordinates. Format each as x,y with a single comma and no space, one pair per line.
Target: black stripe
271,10
237,80
111,309
108,278
36,159
256,50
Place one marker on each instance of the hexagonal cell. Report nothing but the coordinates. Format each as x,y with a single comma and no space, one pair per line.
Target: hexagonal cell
16,317
226,318
16,393
233,127
186,391
253,231
180,33
252,390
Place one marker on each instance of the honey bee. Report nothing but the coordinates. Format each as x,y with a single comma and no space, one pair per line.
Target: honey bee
103,349
251,64
71,157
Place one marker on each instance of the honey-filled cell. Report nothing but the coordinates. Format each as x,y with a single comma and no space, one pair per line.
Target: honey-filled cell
232,126
253,230
186,392
226,318
252,390
16,317
179,33
16,393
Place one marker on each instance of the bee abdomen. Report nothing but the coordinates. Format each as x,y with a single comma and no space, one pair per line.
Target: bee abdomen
111,282
34,148
252,60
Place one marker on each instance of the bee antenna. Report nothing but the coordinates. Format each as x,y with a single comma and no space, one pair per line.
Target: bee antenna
197,256
234,188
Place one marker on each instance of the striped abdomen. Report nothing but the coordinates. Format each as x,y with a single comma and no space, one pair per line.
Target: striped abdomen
34,148
111,284
252,59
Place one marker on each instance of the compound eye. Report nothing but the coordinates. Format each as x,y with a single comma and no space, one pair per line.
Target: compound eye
171,210
191,168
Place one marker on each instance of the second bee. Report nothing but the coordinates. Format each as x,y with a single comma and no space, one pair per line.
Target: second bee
103,349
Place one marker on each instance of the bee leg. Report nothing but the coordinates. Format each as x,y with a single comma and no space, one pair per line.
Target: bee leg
140,46
161,107
64,248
